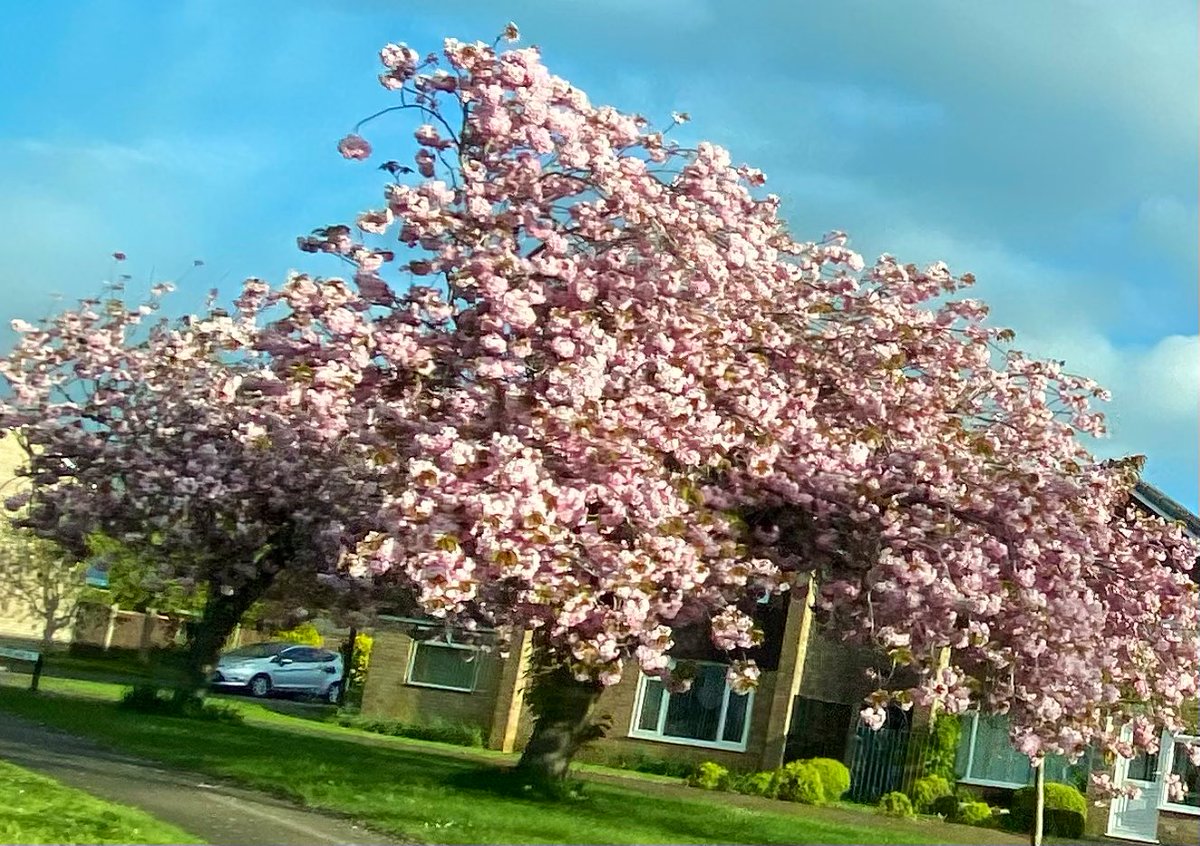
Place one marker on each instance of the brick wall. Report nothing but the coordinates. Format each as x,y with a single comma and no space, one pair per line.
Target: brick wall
1175,829
619,700
387,693
830,671
836,672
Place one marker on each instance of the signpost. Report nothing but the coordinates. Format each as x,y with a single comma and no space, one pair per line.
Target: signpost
29,655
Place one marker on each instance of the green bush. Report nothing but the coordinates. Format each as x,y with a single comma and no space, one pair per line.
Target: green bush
757,784
709,776
895,804
942,749
1066,810
974,813
360,660
800,781
927,790
643,763
458,734
945,806
835,777
149,699
305,634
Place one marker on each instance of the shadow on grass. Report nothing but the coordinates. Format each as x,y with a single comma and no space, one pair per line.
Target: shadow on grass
431,796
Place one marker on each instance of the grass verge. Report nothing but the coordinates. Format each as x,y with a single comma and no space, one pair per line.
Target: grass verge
37,809
421,791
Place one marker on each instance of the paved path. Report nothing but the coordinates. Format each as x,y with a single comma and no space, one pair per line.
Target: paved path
212,811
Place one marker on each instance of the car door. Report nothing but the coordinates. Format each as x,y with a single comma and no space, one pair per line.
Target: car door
294,668
328,669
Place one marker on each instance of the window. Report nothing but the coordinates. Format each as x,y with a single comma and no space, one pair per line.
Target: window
449,666
1178,763
709,714
303,655
987,757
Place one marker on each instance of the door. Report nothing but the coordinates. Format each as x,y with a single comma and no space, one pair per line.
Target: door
1136,819
297,668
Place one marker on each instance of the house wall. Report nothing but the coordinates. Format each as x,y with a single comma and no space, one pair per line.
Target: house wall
810,664
387,693
619,701
19,621
1176,829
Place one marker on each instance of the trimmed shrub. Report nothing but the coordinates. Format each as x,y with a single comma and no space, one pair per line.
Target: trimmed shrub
974,813
835,777
148,699
643,763
757,784
458,734
895,804
800,781
942,749
927,790
1066,810
709,776
946,807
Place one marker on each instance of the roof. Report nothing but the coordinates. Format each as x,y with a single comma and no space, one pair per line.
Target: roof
1165,507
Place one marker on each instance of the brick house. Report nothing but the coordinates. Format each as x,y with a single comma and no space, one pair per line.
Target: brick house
806,704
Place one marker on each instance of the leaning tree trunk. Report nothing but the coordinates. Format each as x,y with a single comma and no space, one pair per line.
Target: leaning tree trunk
1039,803
222,613
562,708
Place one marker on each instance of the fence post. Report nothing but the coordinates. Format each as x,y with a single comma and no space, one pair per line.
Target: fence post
36,678
149,621
111,626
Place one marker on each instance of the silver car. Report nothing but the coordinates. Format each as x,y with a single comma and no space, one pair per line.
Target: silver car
265,667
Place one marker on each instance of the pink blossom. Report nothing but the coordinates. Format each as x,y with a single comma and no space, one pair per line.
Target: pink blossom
354,147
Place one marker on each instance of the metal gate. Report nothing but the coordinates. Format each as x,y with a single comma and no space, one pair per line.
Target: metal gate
884,760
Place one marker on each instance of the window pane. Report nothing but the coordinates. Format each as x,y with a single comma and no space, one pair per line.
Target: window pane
995,758
695,714
735,718
651,703
443,666
1188,773
1143,767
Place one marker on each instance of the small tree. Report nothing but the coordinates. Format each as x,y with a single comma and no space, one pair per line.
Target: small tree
41,580
180,441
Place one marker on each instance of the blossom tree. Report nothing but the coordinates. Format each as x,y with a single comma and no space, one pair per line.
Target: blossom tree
178,439
610,397
622,399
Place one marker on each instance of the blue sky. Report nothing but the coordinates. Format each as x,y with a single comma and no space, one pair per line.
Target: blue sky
1050,148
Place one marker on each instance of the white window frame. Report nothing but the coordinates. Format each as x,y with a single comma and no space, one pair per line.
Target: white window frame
1166,764
441,644
981,782
657,734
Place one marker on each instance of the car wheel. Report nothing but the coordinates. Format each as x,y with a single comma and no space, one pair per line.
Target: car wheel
333,692
260,686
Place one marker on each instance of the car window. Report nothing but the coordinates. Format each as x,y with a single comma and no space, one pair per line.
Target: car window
304,654
257,650
325,655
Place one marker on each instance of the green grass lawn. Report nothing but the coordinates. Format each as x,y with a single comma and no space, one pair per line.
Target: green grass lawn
36,809
421,791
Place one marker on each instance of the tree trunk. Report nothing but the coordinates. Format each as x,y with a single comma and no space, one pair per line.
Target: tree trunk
222,613
562,708
1039,803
